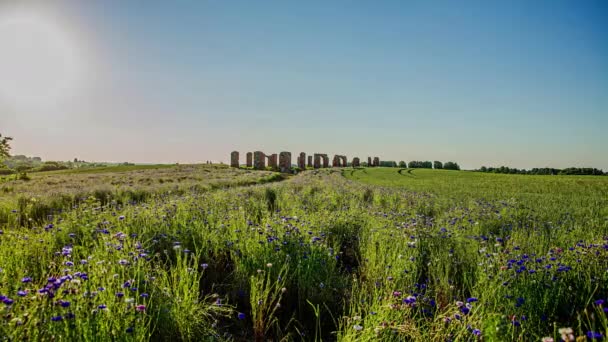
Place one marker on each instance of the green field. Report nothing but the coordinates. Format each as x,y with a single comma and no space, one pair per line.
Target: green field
209,253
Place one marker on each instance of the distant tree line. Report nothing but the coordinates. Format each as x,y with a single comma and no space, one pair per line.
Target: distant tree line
544,171
416,164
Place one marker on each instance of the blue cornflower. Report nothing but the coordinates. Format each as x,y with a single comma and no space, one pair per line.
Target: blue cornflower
21,293
599,302
241,316
594,335
65,303
472,299
26,280
56,318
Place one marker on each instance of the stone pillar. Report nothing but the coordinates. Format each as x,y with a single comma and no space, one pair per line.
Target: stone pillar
369,162
343,161
325,161
234,159
376,161
336,161
259,160
302,161
317,161
285,162
355,162
309,164
249,159
272,161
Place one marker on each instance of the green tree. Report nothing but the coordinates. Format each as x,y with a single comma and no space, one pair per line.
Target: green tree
5,147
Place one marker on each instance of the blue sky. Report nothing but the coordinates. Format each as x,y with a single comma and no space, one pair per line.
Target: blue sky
517,83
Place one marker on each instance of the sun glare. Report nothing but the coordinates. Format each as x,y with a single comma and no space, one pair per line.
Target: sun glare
39,61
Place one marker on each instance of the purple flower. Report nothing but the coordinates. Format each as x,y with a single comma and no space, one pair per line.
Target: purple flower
21,293
119,294
8,301
476,332
26,280
599,302
65,303
472,299
56,318
140,308
204,266
241,316
594,335
102,306
144,295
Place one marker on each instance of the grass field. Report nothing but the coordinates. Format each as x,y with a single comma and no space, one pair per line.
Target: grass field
351,255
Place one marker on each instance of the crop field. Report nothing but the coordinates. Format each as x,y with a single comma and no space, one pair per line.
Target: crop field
209,253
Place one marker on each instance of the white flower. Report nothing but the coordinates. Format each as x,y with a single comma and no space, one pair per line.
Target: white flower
357,327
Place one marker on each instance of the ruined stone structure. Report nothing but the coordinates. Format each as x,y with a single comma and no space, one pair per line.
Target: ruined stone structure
259,160
249,159
234,159
317,163
282,161
285,161
272,161
325,160
339,161
302,161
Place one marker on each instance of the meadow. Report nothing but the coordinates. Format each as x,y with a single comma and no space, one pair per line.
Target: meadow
209,253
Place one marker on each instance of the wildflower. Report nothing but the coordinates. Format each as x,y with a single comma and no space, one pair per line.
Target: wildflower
119,294
357,327
140,308
204,266
595,335
269,265
241,316
409,300
129,330
144,295
56,318
65,303
471,300
599,302
26,280
21,293
476,332
102,306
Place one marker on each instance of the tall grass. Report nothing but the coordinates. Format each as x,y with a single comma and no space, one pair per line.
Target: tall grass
429,256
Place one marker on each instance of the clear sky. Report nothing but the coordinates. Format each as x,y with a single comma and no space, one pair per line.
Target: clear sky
517,83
